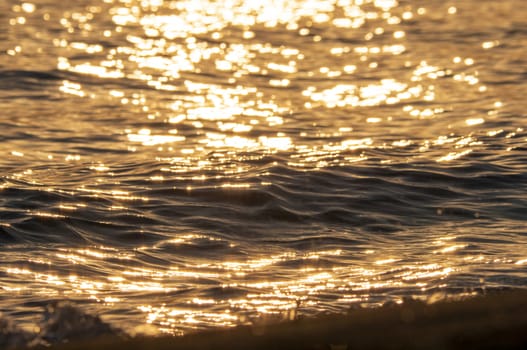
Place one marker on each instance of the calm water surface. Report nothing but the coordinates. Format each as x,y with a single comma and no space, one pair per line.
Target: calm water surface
183,165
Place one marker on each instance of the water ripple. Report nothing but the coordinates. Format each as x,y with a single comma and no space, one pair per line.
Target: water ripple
175,167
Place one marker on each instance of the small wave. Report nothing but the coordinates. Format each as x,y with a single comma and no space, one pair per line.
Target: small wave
62,322
27,83
28,74
370,199
12,337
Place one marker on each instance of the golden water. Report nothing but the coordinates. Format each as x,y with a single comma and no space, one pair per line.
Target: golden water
180,165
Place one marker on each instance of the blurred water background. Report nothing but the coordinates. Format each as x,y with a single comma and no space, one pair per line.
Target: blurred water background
182,165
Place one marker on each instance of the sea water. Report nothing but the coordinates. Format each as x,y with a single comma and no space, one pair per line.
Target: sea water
173,166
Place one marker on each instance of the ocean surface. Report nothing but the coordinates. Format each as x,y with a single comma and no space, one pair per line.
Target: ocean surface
174,166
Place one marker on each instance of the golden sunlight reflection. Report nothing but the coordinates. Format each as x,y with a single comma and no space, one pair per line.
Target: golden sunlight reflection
388,91
262,87
278,297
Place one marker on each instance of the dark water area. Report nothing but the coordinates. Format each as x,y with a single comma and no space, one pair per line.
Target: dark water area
183,165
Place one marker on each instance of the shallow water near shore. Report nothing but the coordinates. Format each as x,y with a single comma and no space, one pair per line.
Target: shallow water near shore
175,166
